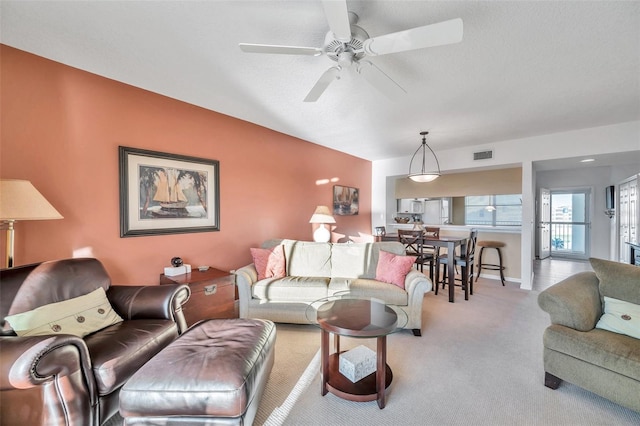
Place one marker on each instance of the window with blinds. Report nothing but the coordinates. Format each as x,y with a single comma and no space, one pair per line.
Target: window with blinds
493,210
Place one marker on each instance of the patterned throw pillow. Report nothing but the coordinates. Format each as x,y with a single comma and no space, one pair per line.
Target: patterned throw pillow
393,269
620,317
269,263
78,316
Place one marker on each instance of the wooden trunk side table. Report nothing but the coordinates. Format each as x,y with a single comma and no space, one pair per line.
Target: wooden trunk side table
212,294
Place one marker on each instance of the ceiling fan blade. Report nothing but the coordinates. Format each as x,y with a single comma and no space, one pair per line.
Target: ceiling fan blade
321,85
380,80
286,50
447,32
338,18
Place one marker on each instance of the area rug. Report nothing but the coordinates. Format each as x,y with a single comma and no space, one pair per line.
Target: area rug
297,363
478,361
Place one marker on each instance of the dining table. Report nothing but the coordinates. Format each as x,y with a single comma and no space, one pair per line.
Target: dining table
450,243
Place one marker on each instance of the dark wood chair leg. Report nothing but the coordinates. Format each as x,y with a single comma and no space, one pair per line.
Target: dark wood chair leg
551,381
501,267
479,264
417,332
465,282
445,272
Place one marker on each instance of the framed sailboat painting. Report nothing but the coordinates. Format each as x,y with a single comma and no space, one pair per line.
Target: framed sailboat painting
164,193
345,200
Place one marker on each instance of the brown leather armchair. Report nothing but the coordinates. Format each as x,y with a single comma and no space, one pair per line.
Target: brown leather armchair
67,380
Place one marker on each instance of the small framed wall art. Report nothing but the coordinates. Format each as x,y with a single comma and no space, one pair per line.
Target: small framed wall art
164,193
345,200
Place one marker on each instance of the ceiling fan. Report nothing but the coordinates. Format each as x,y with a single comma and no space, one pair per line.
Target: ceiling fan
348,45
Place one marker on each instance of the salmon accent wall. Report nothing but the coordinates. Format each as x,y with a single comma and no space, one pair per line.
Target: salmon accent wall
61,128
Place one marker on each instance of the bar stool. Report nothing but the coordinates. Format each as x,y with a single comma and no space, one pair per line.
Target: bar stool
491,266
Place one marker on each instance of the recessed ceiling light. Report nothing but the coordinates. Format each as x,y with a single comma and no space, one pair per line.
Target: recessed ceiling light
587,160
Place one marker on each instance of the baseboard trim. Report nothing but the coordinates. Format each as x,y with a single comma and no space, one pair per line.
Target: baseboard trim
497,278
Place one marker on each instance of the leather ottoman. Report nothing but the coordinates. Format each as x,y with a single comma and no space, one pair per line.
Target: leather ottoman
213,374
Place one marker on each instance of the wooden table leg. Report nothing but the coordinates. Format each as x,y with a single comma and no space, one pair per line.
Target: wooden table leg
324,348
451,259
381,370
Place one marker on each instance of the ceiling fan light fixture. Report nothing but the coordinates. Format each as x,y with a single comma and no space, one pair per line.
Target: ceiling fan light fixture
346,43
422,175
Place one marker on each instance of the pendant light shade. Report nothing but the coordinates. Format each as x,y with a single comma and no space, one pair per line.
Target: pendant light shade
422,175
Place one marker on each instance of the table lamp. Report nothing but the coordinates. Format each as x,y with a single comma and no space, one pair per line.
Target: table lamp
20,200
322,216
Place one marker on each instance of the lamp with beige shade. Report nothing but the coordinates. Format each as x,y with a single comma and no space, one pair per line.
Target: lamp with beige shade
322,216
20,200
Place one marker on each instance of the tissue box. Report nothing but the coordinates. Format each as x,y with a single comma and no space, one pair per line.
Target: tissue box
357,363
179,270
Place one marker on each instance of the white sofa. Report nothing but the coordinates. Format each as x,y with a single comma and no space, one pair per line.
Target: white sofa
316,270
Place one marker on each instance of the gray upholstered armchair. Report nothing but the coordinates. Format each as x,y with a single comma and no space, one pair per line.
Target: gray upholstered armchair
63,379
576,346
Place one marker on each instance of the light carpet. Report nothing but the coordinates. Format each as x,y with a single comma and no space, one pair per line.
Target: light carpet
478,361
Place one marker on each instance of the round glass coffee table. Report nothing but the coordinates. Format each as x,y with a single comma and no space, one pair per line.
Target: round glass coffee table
359,317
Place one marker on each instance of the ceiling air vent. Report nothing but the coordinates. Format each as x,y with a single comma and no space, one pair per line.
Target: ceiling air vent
482,155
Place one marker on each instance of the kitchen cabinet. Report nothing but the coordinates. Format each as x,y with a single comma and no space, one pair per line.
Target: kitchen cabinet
409,205
435,211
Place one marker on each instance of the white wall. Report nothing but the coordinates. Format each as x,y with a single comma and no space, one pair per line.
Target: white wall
621,137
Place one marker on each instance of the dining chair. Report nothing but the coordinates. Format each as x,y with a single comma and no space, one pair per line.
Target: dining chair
430,253
412,241
466,264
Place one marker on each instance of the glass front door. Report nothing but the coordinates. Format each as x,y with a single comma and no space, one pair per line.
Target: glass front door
570,223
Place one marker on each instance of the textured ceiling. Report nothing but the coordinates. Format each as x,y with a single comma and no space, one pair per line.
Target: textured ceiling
522,69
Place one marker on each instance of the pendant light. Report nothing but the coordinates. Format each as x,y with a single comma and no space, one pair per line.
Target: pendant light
422,175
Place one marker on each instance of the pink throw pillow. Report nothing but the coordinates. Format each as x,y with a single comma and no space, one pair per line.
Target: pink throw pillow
269,263
393,269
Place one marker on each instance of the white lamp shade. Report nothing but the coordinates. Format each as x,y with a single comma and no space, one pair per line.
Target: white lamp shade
322,215
20,200
424,177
